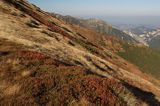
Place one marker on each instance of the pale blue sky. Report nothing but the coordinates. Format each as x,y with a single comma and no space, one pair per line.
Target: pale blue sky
103,8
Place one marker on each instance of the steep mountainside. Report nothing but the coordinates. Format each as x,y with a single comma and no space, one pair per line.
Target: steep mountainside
98,25
45,61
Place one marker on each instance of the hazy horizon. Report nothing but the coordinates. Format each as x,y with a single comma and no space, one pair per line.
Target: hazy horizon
145,12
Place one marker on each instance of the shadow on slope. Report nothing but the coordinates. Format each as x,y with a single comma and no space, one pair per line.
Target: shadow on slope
147,97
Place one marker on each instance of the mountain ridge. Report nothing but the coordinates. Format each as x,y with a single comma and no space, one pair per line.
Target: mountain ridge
95,24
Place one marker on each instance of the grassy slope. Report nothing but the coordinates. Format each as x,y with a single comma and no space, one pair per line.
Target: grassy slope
38,78
45,81
146,58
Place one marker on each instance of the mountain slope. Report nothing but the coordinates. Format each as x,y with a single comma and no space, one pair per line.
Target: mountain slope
98,25
47,62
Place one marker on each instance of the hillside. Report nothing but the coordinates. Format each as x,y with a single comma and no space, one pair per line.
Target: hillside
146,58
46,61
97,25
155,42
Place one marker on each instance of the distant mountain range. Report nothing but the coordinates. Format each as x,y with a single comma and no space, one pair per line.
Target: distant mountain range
146,35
